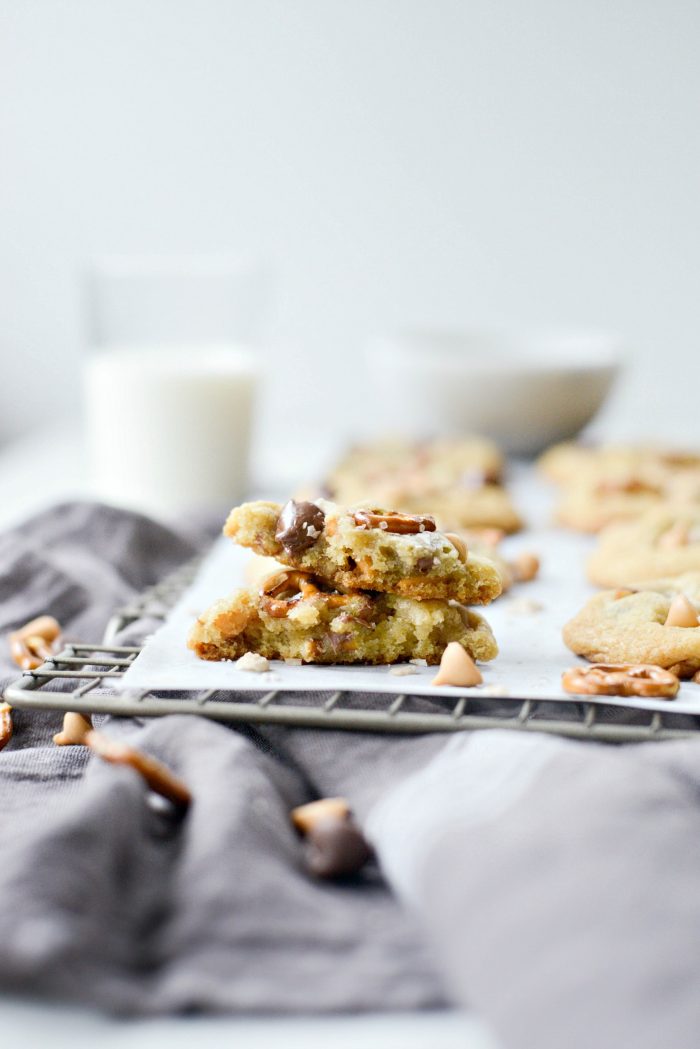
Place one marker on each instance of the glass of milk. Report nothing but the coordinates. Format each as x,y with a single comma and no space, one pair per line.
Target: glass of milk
170,381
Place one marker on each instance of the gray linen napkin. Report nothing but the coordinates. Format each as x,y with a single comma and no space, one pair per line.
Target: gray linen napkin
112,902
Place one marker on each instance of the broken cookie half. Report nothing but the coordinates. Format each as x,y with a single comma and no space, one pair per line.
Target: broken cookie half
296,615
366,549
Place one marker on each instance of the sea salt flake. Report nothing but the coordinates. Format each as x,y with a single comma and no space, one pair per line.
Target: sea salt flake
402,671
493,690
524,606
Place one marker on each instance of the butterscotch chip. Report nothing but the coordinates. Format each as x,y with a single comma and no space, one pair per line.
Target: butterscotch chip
459,545
682,613
457,668
305,817
526,566
75,728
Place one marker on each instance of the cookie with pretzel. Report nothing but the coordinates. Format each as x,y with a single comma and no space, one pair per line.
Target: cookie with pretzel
366,548
296,615
658,623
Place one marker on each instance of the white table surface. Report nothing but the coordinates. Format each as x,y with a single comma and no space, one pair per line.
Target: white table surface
42,468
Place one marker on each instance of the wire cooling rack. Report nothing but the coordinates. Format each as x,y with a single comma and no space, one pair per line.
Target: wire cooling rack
85,677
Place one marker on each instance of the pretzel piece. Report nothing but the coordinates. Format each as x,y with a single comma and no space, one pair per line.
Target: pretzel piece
391,521
35,642
5,724
75,728
156,775
623,679
281,591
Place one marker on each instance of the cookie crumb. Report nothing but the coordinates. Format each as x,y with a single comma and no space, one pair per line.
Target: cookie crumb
419,662
293,662
524,606
402,671
251,661
494,690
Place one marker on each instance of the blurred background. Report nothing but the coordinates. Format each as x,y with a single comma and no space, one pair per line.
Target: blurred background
393,164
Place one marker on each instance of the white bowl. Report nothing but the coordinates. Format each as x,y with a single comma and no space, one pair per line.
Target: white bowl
523,390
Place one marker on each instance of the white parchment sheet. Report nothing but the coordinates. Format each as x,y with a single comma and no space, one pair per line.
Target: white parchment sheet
527,624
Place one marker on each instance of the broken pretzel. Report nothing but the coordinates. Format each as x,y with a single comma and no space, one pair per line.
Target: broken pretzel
158,777
623,679
35,642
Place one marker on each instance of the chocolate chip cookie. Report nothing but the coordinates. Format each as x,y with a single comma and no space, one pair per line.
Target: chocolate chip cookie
295,615
366,549
658,624
662,542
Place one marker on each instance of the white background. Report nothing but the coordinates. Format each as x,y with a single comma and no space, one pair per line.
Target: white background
400,162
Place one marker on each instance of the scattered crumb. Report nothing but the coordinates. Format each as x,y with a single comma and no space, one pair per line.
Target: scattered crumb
403,670
494,690
419,662
293,662
524,606
253,662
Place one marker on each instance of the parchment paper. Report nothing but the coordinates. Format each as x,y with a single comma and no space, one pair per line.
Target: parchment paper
527,624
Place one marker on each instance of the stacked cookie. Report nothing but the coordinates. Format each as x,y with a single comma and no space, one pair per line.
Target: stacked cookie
645,504
350,586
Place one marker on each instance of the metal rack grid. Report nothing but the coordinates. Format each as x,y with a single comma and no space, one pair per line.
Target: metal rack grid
93,672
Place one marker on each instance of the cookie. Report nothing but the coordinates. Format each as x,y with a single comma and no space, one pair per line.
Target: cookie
455,480
454,508
440,462
596,499
362,549
562,463
664,541
294,615
630,626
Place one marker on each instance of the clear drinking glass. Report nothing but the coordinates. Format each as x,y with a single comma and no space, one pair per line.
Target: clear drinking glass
170,380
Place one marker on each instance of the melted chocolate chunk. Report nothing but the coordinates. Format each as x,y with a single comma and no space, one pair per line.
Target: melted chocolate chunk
476,478
336,848
299,525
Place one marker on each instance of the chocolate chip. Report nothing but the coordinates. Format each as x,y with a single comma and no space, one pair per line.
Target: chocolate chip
424,563
299,526
475,479
336,848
